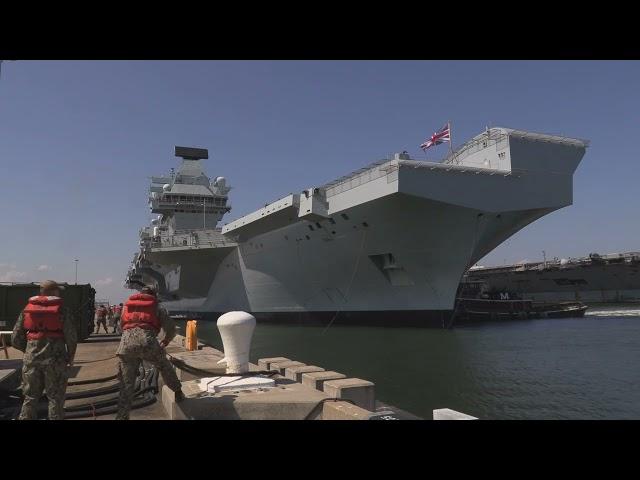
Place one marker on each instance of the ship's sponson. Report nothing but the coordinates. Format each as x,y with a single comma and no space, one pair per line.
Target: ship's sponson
498,170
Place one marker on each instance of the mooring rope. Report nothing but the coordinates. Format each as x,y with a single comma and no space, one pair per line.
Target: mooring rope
353,276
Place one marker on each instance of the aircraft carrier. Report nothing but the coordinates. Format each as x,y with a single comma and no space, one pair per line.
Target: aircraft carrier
611,278
387,244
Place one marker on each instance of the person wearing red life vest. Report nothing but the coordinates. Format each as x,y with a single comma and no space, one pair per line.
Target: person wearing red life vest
101,318
141,321
45,332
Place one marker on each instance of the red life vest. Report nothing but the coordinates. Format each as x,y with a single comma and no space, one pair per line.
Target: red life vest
141,310
43,318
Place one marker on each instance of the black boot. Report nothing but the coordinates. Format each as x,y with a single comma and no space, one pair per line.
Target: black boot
180,396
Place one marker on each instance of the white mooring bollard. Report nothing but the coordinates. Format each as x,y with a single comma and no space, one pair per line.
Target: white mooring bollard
236,330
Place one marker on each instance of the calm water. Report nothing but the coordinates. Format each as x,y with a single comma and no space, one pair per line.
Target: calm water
583,368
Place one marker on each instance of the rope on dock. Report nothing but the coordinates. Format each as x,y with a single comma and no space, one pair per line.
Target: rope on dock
145,394
94,361
182,365
93,380
353,276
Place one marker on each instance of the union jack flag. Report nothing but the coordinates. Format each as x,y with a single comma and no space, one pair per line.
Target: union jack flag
441,136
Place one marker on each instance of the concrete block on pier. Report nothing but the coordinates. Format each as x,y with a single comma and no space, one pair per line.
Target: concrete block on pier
281,366
448,414
295,373
343,411
290,401
317,379
361,392
264,363
170,405
206,360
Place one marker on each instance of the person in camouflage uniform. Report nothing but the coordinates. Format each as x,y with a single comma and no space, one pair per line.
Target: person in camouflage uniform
139,344
117,314
101,318
46,360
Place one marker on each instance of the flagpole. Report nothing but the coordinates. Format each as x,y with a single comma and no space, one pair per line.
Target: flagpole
450,138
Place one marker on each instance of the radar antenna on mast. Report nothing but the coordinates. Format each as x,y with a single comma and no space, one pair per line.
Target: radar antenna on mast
190,153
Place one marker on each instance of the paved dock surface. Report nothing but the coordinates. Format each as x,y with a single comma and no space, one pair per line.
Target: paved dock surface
96,359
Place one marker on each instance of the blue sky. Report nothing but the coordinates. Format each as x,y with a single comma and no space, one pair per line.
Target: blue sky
78,141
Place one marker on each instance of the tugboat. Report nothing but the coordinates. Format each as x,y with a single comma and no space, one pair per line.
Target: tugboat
474,304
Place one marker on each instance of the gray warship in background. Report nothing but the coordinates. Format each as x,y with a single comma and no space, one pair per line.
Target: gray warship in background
612,278
387,244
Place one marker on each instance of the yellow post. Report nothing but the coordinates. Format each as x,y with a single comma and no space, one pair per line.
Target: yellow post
192,335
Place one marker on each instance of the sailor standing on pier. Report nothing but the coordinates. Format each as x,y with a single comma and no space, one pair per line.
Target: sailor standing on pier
117,314
141,321
101,318
46,334
110,318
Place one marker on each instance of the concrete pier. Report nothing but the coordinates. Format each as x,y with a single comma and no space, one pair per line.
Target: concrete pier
288,400
300,391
